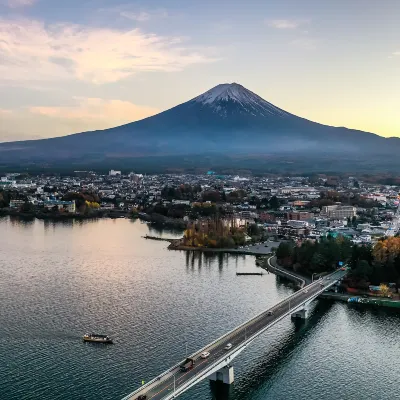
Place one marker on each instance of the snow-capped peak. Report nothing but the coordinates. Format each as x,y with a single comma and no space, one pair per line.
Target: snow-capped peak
233,92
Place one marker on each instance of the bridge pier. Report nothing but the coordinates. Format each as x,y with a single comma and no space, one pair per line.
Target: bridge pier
224,375
301,314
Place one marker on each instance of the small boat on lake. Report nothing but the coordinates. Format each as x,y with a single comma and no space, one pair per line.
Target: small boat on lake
95,338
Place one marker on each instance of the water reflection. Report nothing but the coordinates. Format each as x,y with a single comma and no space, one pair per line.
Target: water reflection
279,353
23,221
164,232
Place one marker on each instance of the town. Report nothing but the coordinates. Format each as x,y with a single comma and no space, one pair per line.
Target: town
284,207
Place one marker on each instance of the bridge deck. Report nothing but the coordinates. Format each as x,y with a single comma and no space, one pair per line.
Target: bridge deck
174,381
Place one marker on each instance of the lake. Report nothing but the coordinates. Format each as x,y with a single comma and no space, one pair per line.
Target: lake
61,279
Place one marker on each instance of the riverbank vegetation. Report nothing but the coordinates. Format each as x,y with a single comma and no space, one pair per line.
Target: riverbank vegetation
314,256
214,233
368,264
378,263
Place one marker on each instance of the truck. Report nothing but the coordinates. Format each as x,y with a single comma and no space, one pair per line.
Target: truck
187,365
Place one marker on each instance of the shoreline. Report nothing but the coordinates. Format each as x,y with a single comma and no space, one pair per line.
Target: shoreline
344,297
63,216
216,250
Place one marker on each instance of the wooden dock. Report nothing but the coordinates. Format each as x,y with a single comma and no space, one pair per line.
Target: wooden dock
249,273
157,238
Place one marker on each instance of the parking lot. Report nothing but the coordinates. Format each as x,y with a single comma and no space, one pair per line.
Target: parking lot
260,248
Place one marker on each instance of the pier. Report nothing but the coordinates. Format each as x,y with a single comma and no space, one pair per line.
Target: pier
249,273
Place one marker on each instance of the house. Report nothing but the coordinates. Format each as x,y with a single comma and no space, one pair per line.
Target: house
61,205
16,203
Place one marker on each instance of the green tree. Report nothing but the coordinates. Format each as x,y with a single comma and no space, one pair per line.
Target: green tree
27,207
284,251
274,203
363,269
254,230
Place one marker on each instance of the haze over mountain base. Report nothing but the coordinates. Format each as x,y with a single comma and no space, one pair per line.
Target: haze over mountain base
227,127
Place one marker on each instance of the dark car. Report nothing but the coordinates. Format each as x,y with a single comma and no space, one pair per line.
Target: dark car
142,397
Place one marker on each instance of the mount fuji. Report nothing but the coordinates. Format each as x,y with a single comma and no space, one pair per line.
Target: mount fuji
227,122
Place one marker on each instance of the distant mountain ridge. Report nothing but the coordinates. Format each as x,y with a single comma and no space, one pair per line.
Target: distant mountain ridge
228,119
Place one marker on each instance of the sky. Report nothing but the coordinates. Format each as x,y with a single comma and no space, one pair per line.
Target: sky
78,65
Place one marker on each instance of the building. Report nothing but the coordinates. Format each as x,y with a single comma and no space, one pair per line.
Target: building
297,224
16,203
61,205
299,216
339,212
114,173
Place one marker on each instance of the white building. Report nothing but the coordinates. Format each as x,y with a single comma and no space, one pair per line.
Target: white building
114,173
339,212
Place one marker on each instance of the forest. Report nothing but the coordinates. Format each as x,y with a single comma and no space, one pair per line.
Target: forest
368,264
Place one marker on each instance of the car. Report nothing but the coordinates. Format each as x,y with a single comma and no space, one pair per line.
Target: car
305,290
142,397
228,346
328,278
322,283
205,354
270,313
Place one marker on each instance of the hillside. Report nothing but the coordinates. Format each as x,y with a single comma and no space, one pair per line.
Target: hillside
228,122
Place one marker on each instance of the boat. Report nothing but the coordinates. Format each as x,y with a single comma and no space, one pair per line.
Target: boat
95,338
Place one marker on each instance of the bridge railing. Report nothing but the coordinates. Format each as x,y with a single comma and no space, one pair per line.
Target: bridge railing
204,373
210,346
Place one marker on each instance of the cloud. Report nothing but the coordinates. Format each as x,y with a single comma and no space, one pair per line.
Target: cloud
128,12
108,112
85,114
33,51
140,17
396,53
18,3
285,23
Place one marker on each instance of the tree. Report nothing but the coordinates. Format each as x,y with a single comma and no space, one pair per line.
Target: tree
284,252
212,196
384,289
363,269
254,230
27,207
274,203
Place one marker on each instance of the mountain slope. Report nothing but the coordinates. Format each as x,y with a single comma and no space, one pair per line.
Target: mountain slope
228,119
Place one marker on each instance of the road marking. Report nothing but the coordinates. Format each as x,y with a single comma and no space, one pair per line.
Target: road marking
177,380
260,321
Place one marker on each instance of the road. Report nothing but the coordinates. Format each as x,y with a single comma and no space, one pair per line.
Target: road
165,386
256,249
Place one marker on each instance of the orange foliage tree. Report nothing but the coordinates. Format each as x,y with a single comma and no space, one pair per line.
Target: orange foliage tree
386,251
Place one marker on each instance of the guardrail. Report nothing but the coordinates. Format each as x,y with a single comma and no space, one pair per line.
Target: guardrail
284,272
237,349
224,337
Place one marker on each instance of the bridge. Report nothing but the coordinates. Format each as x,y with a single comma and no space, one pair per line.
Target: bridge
217,366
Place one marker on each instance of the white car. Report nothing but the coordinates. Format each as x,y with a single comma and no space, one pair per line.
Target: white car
305,290
205,354
228,346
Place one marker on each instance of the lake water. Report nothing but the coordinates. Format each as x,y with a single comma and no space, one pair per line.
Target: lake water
59,280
